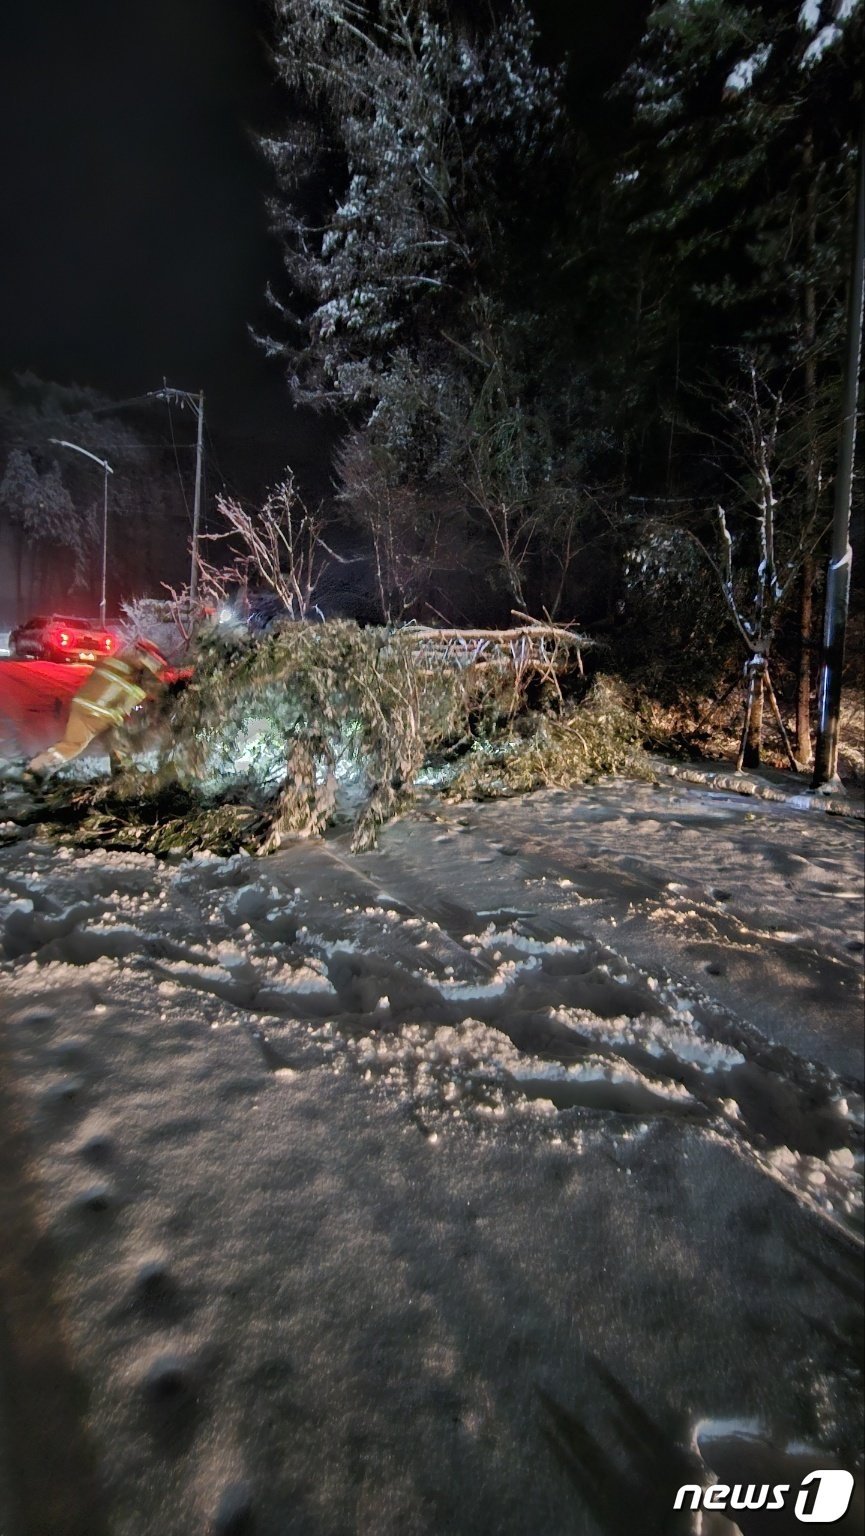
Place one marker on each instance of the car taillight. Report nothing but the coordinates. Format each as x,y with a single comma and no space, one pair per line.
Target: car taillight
108,642
64,638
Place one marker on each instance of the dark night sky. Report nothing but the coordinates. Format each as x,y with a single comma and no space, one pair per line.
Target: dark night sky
134,236
134,240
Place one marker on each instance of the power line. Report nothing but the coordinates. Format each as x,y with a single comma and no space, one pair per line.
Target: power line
216,464
186,397
226,484
84,410
39,442
176,459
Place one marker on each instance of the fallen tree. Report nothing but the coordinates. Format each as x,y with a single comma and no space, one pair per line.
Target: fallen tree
273,736
532,651
287,715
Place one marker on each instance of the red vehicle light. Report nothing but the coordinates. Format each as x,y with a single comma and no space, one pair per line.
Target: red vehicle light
78,642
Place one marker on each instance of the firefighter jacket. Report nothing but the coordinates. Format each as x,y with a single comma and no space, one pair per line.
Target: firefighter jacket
116,685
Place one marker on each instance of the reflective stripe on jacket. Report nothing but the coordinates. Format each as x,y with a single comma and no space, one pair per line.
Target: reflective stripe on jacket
113,688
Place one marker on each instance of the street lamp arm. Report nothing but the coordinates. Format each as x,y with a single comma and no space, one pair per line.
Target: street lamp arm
106,471
62,443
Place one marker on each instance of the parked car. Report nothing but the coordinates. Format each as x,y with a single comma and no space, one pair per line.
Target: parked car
58,637
265,610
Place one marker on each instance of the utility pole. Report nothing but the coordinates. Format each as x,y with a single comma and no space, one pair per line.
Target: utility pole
186,397
840,557
106,471
196,504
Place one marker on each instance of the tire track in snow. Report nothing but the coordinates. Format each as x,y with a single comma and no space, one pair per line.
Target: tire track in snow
463,1009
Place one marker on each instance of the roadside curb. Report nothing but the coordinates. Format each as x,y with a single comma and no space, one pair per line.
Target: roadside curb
759,788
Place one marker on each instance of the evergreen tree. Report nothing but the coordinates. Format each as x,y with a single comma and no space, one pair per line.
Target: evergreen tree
20,487
43,513
732,196
733,201
144,499
419,206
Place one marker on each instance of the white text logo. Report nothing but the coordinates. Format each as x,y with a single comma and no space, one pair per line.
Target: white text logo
821,1499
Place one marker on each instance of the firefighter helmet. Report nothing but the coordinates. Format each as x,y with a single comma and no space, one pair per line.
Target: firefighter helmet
150,654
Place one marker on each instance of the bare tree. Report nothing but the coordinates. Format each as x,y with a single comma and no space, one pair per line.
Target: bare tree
282,543
512,521
418,537
768,529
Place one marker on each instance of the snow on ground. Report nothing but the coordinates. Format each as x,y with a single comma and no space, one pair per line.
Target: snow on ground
445,1189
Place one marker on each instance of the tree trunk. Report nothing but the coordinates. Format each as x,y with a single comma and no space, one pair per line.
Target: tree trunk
754,738
803,681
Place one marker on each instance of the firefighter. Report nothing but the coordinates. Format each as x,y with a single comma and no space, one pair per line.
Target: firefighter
110,693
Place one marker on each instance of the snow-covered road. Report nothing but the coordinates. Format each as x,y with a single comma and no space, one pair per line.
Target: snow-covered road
34,703
446,1189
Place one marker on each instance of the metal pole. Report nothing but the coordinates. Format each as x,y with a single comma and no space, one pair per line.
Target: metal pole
196,504
838,574
102,602
106,470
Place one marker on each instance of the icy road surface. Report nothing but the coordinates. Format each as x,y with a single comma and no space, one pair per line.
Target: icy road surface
34,703
494,1182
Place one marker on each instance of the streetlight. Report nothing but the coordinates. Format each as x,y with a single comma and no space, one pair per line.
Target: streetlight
107,470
